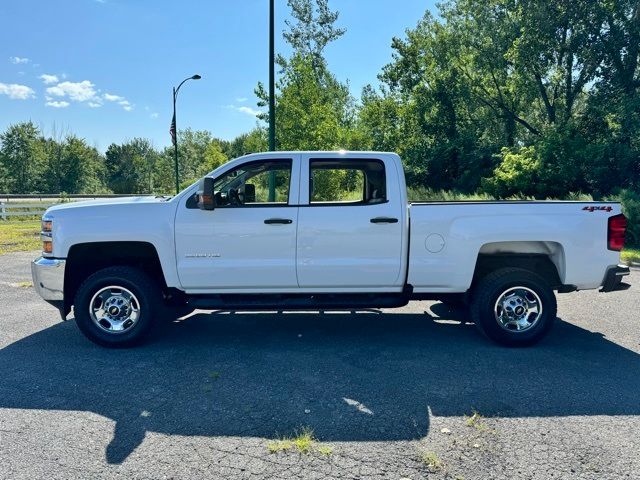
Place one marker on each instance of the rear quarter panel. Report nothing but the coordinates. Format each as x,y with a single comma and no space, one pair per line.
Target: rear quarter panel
464,228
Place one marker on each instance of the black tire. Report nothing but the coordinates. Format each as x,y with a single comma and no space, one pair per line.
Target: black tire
485,297
147,299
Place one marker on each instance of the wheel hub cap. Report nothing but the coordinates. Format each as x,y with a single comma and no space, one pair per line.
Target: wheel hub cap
114,309
518,309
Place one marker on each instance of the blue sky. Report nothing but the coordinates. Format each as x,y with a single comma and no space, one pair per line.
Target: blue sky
104,69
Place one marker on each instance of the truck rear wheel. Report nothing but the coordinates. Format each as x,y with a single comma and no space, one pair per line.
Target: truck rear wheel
513,307
116,306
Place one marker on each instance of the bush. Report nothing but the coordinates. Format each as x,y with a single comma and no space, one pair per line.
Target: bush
423,194
518,173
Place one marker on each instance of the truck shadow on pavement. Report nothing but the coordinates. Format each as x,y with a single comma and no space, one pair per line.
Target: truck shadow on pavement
350,377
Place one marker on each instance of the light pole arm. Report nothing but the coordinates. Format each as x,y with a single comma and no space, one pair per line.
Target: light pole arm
175,90
175,127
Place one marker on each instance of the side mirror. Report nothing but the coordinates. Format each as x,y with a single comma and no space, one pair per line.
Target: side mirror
249,193
206,197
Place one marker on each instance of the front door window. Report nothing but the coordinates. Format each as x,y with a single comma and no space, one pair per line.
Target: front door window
255,184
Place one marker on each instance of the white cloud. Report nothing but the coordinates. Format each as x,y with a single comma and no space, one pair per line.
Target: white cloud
126,105
76,91
81,92
18,60
241,99
154,115
123,102
112,98
48,79
249,111
244,109
16,92
57,104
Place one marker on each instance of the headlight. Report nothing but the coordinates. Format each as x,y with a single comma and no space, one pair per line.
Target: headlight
47,225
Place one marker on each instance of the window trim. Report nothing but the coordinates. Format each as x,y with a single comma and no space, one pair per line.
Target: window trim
359,203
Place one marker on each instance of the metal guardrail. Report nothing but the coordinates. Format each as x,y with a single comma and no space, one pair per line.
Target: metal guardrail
34,205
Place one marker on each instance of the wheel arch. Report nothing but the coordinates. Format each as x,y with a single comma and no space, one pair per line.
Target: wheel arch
84,259
547,259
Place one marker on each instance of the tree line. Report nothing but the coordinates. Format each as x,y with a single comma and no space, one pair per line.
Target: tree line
534,98
31,162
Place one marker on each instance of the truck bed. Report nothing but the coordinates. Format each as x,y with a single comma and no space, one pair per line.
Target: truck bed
446,239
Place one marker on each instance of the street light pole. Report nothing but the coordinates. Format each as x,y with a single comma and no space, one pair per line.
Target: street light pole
174,136
174,128
272,100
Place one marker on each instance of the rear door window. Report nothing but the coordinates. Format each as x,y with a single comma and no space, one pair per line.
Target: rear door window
358,182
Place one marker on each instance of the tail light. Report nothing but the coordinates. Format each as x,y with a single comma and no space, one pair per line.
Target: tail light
617,228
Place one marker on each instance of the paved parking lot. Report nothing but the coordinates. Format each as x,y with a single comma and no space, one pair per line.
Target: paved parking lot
388,395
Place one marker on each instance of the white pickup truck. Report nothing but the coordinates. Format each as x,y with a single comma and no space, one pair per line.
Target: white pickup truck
320,231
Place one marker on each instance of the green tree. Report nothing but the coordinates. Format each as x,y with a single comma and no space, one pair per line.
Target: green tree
558,76
73,167
311,30
426,111
313,109
214,156
4,179
131,167
22,157
198,153
252,142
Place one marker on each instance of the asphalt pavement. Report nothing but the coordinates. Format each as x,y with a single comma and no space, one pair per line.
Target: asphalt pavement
408,393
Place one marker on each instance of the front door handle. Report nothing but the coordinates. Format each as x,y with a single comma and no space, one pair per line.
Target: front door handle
384,220
276,221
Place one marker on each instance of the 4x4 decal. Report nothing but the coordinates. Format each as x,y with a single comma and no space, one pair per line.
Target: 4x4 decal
593,208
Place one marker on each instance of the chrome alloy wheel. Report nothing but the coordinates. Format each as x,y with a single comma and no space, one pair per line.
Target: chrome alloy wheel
518,309
114,309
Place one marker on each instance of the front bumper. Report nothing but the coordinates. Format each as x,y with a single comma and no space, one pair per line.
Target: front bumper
48,279
613,279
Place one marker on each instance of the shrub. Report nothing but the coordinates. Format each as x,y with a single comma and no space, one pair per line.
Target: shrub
517,174
423,194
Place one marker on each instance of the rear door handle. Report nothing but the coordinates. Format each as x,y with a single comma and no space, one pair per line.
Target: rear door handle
384,220
276,221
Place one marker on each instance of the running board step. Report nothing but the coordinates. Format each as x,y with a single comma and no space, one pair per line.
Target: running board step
297,301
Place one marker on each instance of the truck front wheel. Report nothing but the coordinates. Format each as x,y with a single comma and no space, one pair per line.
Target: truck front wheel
116,306
514,307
